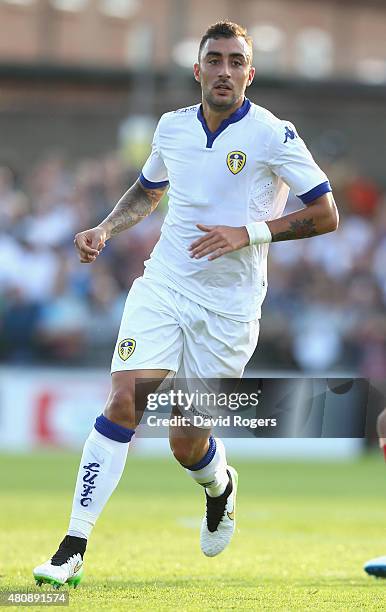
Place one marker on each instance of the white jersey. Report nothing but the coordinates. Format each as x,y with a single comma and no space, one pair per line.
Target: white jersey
238,174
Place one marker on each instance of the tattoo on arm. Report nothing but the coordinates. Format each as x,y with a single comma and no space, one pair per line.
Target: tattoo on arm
297,229
136,204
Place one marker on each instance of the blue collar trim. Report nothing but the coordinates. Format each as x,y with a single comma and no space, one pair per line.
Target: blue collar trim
233,118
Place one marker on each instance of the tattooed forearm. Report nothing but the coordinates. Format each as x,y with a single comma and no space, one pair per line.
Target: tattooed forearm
320,216
297,229
136,204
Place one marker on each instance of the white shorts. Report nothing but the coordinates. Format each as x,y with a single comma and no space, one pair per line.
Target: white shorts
162,329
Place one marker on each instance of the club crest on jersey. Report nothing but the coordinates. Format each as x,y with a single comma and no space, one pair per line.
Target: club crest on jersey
126,348
236,161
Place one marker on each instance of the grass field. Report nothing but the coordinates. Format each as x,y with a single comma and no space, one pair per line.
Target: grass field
304,531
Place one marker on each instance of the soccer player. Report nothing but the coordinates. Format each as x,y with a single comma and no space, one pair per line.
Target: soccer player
377,567
229,165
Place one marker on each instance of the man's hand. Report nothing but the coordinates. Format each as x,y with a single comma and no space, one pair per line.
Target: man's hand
218,240
90,243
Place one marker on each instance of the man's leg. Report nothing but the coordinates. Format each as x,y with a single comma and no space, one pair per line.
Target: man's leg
377,567
101,467
204,459
215,347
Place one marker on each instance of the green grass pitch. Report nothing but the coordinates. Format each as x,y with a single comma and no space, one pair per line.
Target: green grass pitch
304,532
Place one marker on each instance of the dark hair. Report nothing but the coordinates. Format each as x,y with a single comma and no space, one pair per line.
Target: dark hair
226,29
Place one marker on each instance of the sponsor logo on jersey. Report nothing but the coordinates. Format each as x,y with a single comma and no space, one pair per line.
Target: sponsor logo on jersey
289,134
126,348
186,109
236,161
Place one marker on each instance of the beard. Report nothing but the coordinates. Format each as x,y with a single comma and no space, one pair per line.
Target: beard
219,104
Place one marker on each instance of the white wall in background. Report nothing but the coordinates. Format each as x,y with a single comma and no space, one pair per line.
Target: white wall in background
42,407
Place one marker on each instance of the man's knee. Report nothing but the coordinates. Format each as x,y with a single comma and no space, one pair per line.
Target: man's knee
188,450
126,401
120,407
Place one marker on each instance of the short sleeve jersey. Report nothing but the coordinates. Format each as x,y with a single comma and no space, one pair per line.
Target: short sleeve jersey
238,174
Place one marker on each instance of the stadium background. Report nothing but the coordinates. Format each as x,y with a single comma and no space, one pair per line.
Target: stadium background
82,84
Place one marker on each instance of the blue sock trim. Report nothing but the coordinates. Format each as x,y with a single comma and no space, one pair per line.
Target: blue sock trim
113,430
207,458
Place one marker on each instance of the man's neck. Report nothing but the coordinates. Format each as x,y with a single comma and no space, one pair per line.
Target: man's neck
214,117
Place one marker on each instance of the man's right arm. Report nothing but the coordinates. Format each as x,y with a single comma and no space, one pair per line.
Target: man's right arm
136,204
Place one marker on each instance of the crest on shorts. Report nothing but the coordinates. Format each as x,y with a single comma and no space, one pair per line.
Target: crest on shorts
126,348
236,161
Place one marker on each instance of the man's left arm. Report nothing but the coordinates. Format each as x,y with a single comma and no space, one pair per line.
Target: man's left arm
320,217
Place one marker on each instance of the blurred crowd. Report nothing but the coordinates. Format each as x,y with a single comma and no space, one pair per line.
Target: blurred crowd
325,308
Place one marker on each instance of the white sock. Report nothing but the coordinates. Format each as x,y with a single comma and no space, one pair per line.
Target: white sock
213,476
100,470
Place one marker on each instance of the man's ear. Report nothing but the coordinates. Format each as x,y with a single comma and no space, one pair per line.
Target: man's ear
196,72
252,72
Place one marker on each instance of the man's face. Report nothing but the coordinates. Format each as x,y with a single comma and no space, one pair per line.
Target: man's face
224,72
